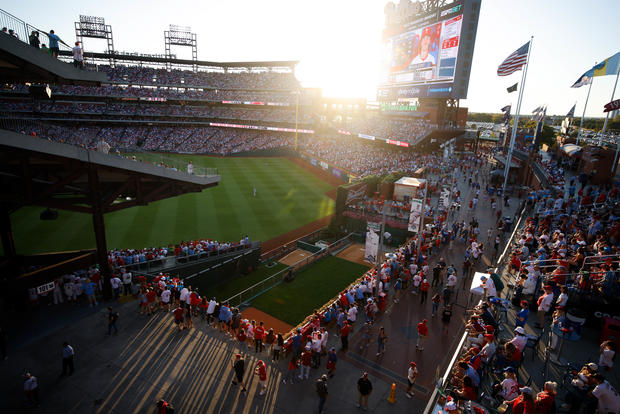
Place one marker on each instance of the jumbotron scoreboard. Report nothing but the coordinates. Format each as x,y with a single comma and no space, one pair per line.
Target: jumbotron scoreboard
428,49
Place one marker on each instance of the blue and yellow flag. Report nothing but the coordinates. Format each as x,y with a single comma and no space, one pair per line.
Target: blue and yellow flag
608,67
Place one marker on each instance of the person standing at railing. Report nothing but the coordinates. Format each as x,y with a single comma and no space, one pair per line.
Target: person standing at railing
78,56
34,39
53,41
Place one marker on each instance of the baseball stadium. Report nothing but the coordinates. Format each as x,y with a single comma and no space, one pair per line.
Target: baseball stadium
183,235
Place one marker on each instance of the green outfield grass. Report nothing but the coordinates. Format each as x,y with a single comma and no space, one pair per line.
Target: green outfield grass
287,197
312,287
242,282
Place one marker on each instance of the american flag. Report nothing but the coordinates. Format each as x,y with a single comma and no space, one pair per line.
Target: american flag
514,62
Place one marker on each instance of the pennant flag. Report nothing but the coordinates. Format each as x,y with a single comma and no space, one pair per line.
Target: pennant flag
514,62
512,88
571,113
608,67
612,106
539,113
537,110
506,108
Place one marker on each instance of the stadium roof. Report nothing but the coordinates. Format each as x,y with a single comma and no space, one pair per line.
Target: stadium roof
154,59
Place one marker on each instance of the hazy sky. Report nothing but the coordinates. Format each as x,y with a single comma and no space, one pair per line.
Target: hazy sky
338,42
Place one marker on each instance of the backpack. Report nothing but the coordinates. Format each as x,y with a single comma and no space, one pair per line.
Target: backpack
497,281
321,387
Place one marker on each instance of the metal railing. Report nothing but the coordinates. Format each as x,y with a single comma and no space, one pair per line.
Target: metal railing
23,29
172,261
176,164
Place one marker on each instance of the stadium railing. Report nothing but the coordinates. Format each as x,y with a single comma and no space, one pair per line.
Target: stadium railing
174,163
23,29
245,296
171,261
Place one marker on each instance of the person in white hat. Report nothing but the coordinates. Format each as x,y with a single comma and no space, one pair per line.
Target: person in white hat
520,339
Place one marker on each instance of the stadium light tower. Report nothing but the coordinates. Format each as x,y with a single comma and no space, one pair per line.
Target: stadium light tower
180,36
95,28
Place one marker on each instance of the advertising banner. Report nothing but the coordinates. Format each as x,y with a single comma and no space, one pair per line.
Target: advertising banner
414,215
45,288
355,193
324,165
372,241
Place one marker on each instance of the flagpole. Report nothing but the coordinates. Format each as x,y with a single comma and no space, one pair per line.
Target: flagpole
612,98
584,108
515,124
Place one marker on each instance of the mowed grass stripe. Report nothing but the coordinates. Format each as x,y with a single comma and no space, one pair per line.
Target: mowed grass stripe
311,288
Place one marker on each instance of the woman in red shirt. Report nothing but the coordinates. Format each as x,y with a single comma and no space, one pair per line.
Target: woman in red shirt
545,399
524,403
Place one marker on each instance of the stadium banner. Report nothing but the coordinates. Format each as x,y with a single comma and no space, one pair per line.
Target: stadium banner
262,128
372,241
435,90
414,215
355,193
343,132
397,143
336,172
324,165
370,137
313,161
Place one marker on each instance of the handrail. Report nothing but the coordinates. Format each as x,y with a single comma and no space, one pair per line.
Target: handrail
23,29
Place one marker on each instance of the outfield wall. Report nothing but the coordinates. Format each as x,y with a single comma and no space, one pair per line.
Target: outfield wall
338,172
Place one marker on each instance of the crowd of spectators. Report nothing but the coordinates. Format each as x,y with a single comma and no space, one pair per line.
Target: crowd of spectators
364,158
399,129
148,111
221,141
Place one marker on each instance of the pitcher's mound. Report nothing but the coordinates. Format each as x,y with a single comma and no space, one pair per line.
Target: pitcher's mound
294,257
254,314
355,254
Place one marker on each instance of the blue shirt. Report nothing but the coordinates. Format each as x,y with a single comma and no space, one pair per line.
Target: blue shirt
359,294
89,288
524,313
53,40
67,352
296,341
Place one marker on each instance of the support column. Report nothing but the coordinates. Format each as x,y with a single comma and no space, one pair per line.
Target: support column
8,243
99,228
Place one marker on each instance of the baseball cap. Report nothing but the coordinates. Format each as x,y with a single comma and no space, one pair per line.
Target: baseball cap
238,356
592,366
412,364
489,336
526,390
519,329
509,369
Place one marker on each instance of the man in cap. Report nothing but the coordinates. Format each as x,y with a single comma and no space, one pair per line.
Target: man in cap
238,365
364,388
412,374
306,360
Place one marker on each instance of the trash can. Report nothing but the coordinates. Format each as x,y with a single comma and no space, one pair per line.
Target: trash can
611,330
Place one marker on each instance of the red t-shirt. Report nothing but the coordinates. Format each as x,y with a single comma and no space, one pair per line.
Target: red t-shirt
345,330
522,406
262,372
306,357
259,332
470,393
424,286
150,296
241,336
178,313
422,329
544,402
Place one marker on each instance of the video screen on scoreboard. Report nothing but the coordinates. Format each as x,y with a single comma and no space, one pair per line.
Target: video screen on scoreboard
421,55
425,54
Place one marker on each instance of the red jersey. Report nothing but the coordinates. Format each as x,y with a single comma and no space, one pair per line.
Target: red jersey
425,286
178,313
422,329
259,332
262,372
345,330
241,336
306,357
150,296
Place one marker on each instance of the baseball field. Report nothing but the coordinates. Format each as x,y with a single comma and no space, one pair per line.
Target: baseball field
287,197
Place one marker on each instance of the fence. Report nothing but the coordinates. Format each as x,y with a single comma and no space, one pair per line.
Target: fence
255,290
23,29
170,262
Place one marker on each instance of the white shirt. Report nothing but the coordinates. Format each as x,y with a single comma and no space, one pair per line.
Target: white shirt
127,278
488,351
606,359
417,279
78,54
520,341
451,280
316,345
412,373
211,306
510,389
490,287
115,282
165,296
352,314
562,299
324,336
545,303
608,399
184,294
31,384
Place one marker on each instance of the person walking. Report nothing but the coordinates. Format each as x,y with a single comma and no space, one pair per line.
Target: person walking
31,390
381,340
412,374
238,365
112,318
332,358
424,287
344,336
422,334
306,359
292,367
67,359
321,390
261,371
364,389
